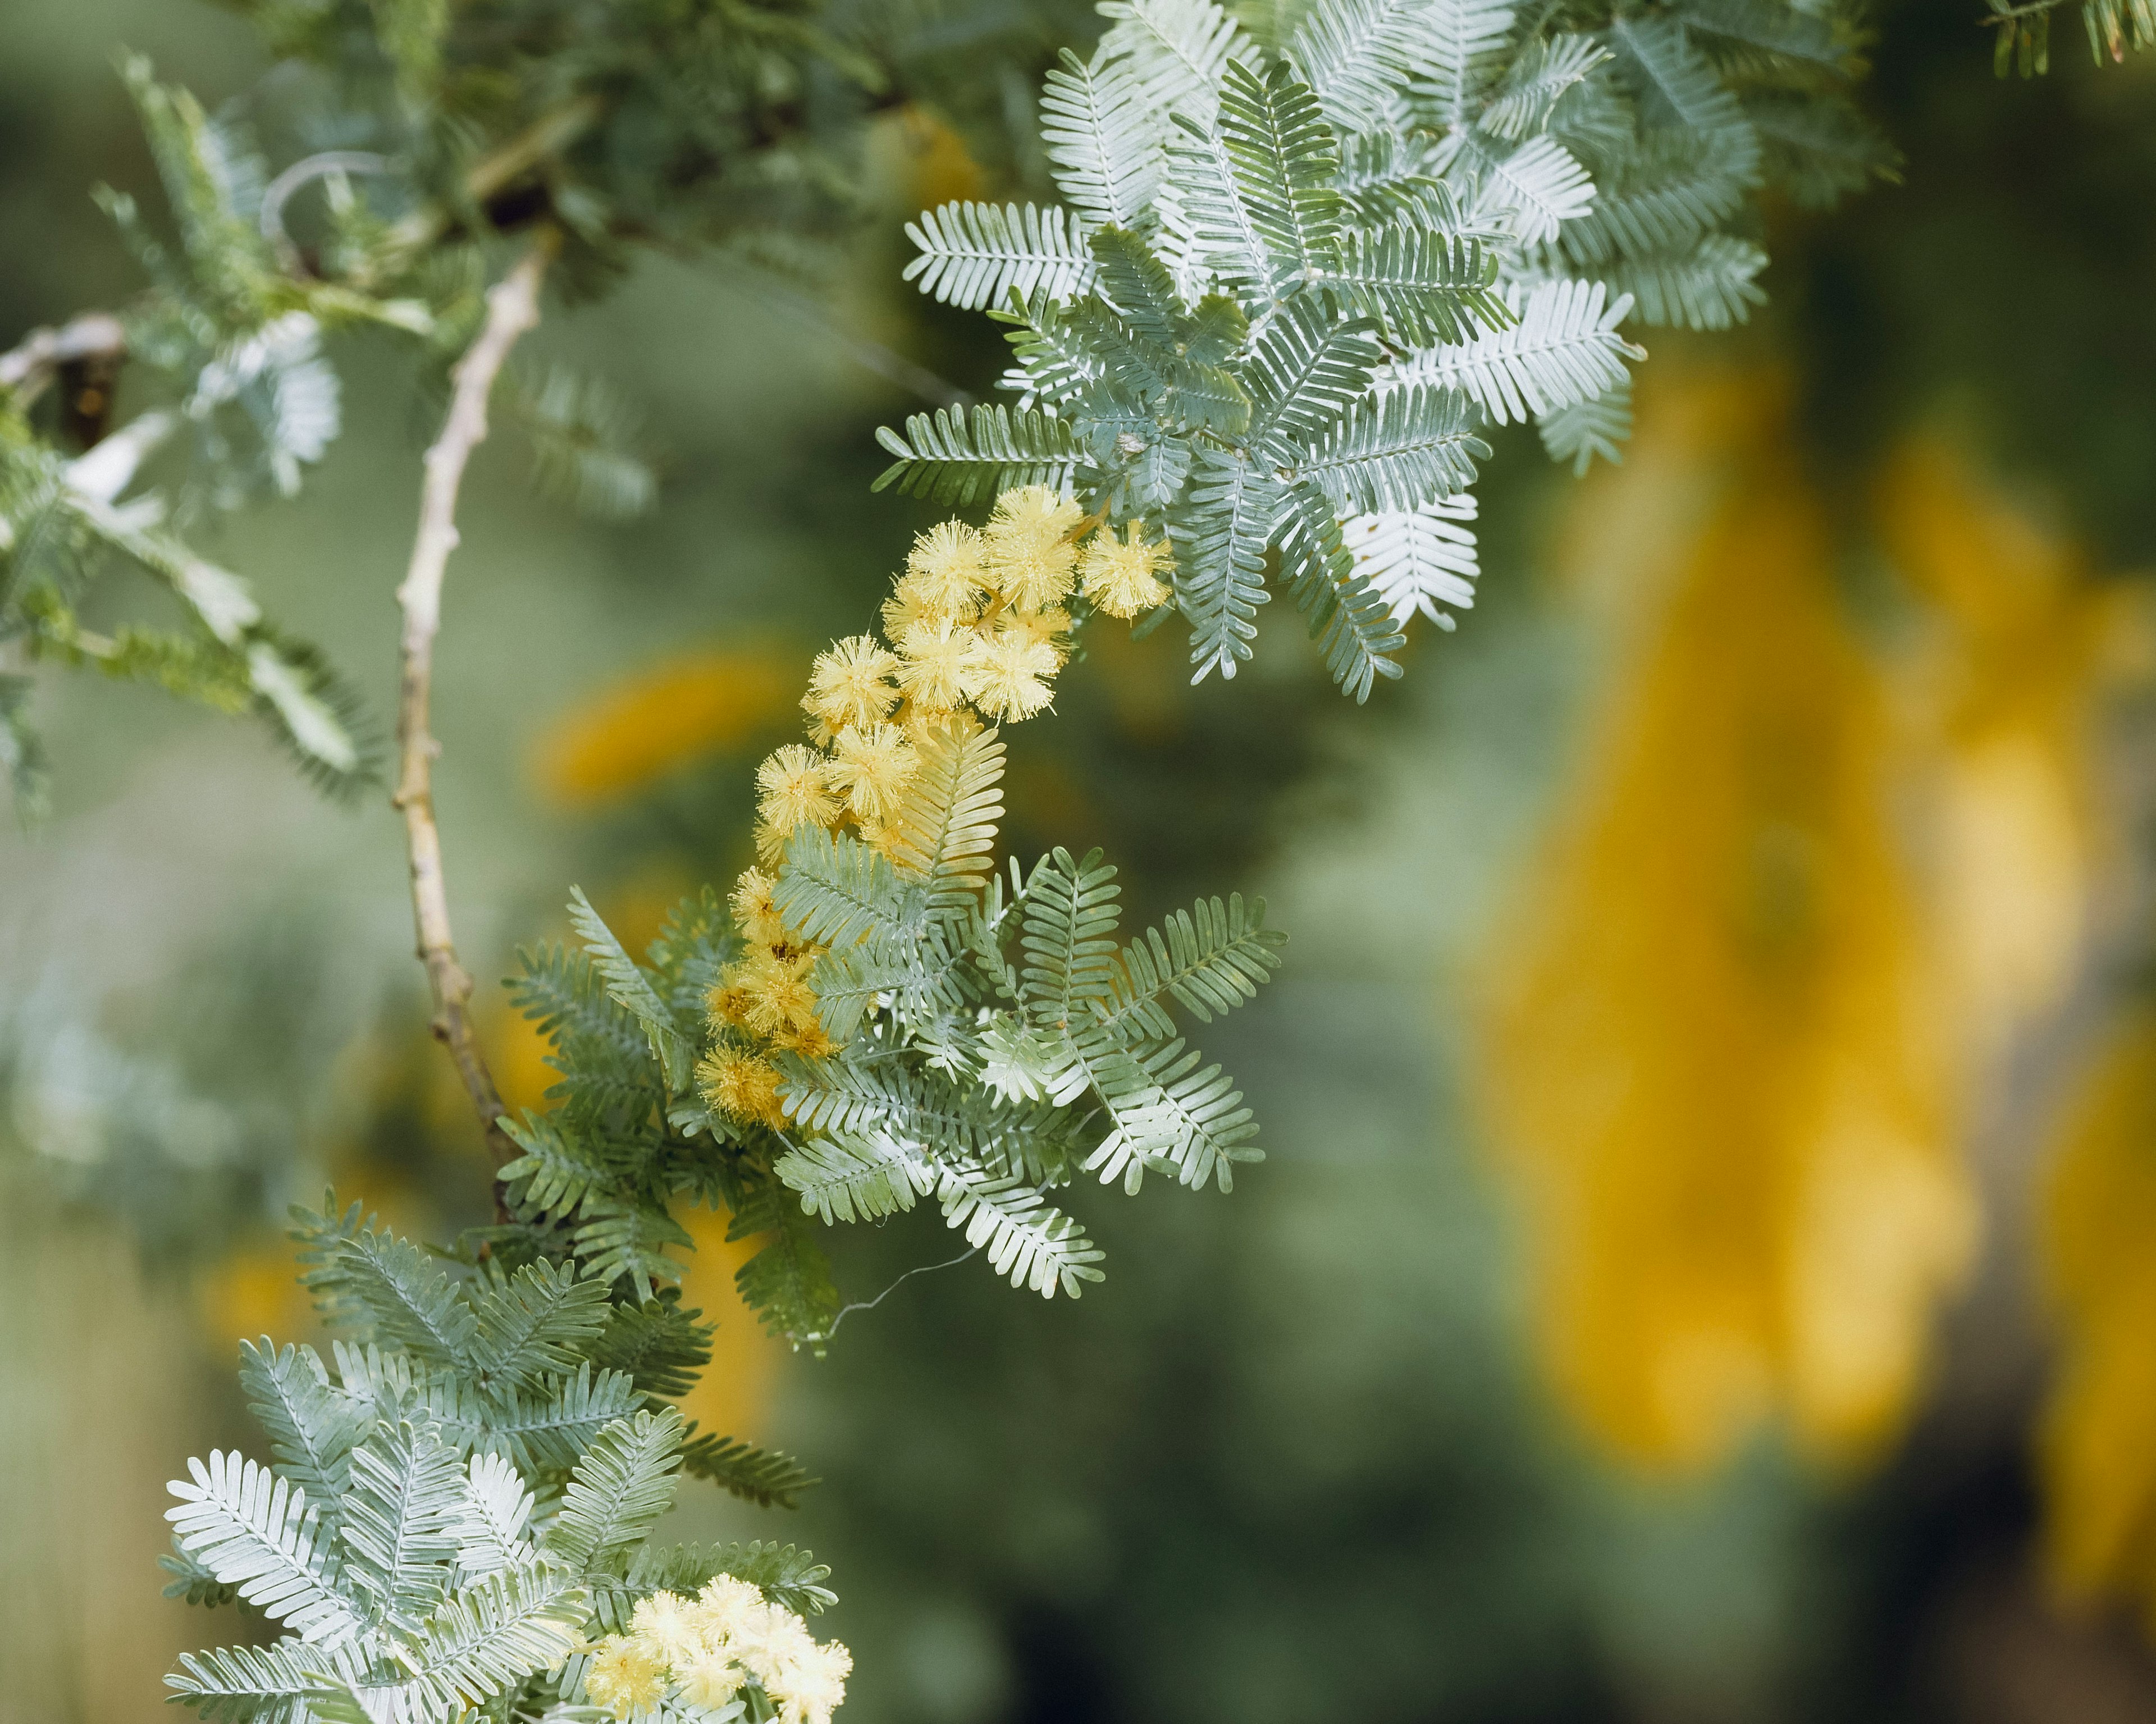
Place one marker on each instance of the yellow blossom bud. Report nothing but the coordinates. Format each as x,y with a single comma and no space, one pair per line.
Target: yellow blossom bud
756,908
1122,575
777,991
710,1680
665,1623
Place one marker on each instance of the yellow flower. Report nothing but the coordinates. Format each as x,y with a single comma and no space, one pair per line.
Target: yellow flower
946,570
901,611
710,1680
1048,627
933,657
1720,1067
741,1086
851,684
725,1605
795,783
625,1676
777,991
756,910
1122,575
874,765
666,1623
1009,673
1029,554
2098,1239
809,1041
921,722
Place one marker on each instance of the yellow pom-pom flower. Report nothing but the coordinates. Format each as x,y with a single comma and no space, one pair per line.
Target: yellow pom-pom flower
741,1086
796,788
946,572
873,764
1050,628
710,1680
666,1624
851,685
933,663
755,910
1009,673
1122,576
1031,556
625,1676
777,991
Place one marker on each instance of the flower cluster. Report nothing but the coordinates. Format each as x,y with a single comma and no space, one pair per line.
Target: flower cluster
702,1653
973,633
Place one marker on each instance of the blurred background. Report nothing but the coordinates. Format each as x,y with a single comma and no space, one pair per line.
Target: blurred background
1705,1268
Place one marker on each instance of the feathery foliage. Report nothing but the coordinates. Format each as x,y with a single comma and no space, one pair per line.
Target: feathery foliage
1288,286
464,1497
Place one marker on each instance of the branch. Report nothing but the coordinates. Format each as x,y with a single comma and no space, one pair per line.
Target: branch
94,336
512,307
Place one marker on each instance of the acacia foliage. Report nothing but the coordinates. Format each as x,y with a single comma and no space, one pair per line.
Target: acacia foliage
462,1496
991,1040
1300,268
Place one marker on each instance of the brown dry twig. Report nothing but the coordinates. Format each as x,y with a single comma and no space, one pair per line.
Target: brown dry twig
512,307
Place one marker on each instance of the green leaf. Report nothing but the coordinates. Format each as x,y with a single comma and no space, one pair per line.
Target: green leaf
313,1425
785,1575
492,1515
1102,139
622,1484
233,1685
840,891
632,990
1068,937
788,1284
1305,372
1220,536
1422,286
546,1429
1586,429
1257,187
256,1532
976,255
848,1178
663,1347
388,1285
534,1323
947,821
1032,1244
763,1477
1177,48
1408,446
1210,959
952,456
622,1237
487,1639
407,1490
1564,348
1348,617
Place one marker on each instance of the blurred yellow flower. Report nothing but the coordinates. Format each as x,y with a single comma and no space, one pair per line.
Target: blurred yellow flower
2021,644
1718,1061
2098,1234
646,726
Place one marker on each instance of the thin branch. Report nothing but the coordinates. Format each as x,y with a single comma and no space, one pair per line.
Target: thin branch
512,307
94,336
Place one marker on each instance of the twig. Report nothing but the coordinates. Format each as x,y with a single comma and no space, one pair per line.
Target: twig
512,307
96,337
923,1269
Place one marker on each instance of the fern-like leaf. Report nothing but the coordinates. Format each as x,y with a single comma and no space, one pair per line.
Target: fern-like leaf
256,1532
